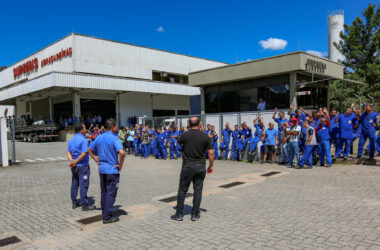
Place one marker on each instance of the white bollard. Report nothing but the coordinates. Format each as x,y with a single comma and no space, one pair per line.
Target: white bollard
4,142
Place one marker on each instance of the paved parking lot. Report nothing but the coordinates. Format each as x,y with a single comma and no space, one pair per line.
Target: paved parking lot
318,208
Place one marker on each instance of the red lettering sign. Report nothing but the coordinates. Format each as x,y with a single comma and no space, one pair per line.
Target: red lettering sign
32,65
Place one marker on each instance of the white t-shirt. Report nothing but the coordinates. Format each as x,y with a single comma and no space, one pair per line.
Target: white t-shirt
295,138
311,132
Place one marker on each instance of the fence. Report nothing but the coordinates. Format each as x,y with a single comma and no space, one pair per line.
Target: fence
218,120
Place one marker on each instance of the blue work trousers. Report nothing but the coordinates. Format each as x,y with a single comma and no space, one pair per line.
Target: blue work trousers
109,184
325,151
81,179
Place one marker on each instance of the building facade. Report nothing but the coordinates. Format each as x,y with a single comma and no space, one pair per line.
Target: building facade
81,75
296,78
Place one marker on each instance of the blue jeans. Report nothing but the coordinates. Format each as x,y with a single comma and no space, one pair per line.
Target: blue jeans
293,150
284,152
307,157
81,178
144,150
325,152
347,148
137,144
109,184
173,149
363,139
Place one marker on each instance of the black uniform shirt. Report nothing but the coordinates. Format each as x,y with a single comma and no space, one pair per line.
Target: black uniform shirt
195,144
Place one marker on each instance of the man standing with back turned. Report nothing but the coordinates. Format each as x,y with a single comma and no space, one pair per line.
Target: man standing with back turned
105,151
195,143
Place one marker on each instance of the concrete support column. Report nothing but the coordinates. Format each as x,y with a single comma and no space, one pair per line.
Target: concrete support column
30,109
203,108
117,109
293,89
76,105
50,109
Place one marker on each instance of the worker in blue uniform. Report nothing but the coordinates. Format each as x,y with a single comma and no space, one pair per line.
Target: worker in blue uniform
161,145
280,119
259,133
225,140
347,122
368,121
214,140
137,142
234,147
108,152
245,134
174,135
334,128
324,139
80,168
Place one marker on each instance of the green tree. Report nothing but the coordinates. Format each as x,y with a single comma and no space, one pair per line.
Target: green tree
360,46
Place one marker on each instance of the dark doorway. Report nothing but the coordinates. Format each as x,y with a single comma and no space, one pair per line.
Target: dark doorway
104,108
160,112
63,109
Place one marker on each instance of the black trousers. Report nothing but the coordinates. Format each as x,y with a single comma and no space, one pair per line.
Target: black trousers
195,173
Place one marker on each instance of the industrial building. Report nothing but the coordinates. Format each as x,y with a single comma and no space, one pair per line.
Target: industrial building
80,75
295,78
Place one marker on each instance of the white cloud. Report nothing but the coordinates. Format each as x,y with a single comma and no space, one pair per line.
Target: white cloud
317,53
273,44
160,29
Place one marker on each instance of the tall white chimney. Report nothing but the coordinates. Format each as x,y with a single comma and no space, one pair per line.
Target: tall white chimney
336,22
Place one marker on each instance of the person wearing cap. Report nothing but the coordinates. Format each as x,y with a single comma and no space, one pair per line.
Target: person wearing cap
324,139
368,121
294,132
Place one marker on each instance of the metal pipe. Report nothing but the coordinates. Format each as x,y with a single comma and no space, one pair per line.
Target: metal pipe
373,100
360,99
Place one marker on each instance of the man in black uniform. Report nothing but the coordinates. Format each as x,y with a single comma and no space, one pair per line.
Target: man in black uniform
195,143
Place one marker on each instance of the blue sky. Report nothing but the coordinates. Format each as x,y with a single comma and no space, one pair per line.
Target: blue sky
219,30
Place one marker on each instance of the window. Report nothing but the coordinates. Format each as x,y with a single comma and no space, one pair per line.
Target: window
169,77
318,92
244,95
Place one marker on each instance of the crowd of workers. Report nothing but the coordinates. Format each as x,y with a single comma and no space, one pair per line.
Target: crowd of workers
303,137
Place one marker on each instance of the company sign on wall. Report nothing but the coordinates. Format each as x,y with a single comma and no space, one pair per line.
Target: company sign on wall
32,65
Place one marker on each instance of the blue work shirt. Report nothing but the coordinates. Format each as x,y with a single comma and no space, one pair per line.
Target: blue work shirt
279,121
107,147
271,136
235,135
258,131
161,139
78,145
334,127
346,126
367,121
247,133
226,134
323,133
174,133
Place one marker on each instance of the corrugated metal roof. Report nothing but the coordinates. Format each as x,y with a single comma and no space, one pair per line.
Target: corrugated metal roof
88,81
